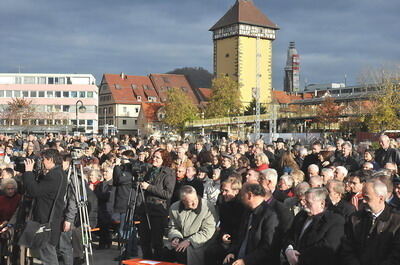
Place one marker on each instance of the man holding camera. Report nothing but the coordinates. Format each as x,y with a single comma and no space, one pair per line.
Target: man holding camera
44,191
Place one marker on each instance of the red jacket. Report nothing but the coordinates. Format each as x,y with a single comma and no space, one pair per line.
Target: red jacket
8,205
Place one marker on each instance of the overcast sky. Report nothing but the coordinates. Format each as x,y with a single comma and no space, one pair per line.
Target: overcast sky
139,37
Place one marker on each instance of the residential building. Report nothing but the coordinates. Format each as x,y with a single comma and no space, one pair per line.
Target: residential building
52,99
120,101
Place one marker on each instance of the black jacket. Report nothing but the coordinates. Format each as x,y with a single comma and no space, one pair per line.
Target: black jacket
159,192
390,155
321,239
285,218
343,208
351,163
44,192
226,173
380,246
261,235
230,216
279,195
122,180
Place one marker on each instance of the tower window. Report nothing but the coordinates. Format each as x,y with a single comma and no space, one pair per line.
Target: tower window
227,55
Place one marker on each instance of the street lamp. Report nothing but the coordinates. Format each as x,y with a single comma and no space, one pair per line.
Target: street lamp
202,125
82,109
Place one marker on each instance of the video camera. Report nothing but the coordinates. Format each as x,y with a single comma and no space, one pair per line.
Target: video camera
20,164
137,168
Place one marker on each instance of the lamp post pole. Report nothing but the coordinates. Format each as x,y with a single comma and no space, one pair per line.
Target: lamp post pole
81,109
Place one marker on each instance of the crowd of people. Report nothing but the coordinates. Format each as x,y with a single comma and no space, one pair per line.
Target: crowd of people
204,202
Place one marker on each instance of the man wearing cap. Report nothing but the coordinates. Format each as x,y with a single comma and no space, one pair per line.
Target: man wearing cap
280,149
227,166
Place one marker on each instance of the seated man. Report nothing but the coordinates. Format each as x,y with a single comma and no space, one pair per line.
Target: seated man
315,235
373,234
230,209
255,242
192,224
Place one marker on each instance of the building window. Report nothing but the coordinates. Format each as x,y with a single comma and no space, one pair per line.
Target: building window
66,108
33,94
17,94
124,109
137,110
41,94
8,93
135,122
50,80
89,94
74,94
18,80
50,94
123,122
81,122
41,80
49,108
81,94
1,93
110,110
89,122
58,94
25,94
66,94
57,108
139,98
29,80
61,80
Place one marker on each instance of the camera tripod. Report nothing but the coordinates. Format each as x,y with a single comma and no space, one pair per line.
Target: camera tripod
129,223
79,189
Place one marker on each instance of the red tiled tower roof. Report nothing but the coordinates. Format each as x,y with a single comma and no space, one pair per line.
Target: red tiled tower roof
244,12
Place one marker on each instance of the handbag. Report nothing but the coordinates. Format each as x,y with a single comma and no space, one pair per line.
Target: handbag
35,234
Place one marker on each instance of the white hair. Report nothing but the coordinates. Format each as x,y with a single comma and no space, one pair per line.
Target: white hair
303,151
6,182
329,171
313,166
288,180
320,194
343,170
379,187
271,175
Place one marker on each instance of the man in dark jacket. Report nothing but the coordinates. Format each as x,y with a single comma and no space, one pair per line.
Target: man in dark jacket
373,234
385,154
230,210
255,242
44,191
315,235
347,159
312,158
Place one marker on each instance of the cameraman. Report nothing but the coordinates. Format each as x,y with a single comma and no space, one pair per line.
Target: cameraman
158,187
124,171
44,191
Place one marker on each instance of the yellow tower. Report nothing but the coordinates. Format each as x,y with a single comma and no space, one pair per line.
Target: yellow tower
241,35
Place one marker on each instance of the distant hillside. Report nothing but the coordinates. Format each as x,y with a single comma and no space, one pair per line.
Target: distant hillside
197,76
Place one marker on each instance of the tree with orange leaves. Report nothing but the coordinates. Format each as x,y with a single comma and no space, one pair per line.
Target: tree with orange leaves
329,111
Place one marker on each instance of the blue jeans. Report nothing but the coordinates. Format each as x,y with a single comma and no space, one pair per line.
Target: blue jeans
65,248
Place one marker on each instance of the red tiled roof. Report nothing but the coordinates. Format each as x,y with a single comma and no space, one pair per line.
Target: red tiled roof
126,88
283,98
205,92
244,11
150,111
164,81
